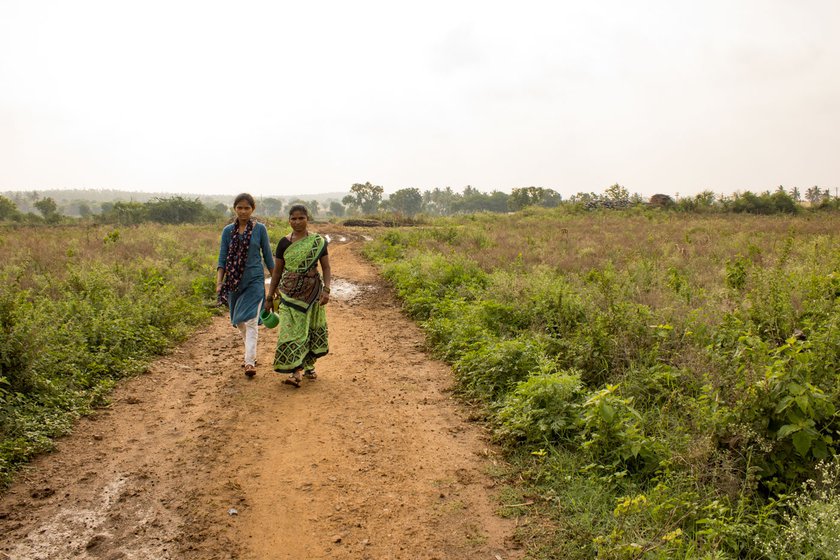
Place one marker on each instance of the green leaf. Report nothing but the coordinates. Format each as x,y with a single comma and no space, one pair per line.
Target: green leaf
783,404
802,442
786,430
795,389
819,449
804,403
607,412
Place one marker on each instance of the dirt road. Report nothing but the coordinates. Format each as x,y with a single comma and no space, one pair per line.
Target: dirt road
374,460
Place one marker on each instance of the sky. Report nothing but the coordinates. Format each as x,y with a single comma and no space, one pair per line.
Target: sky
280,98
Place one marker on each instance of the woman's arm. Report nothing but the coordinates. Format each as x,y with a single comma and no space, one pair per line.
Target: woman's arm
276,273
265,245
327,273
220,278
220,266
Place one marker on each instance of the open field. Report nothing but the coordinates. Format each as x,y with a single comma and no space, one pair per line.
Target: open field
668,382
664,385
192,460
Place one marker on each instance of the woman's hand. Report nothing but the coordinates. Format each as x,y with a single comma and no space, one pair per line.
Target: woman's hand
325,297
269,304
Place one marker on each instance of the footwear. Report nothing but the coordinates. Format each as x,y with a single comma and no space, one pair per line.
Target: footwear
250,371
310,374
294,379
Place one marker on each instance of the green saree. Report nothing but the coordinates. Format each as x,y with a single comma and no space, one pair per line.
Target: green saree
302,330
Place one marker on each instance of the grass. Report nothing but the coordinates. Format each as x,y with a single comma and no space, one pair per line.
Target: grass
663,382
82,307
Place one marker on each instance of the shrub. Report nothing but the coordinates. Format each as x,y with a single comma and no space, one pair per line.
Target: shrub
72,324
543,409
811,526
494,368
790,422
611,430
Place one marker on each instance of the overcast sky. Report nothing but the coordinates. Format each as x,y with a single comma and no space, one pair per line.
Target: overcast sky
281,98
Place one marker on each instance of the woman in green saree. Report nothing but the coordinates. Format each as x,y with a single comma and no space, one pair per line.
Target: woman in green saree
303,293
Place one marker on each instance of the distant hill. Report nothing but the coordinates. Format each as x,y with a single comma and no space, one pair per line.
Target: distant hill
69,201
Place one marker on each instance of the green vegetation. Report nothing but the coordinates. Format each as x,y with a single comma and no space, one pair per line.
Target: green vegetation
82,306
666,383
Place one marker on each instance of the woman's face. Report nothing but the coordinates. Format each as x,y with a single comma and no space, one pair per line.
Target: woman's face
243,210
298,220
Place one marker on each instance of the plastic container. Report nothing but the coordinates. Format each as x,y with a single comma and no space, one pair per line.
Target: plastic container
269,318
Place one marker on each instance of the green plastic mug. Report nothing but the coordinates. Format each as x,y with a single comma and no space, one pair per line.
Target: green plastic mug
269,318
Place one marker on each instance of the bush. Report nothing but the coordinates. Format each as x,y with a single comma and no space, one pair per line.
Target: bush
543,409
702,355
72,325
493,369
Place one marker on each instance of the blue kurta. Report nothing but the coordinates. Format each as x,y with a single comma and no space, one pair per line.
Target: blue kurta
247,301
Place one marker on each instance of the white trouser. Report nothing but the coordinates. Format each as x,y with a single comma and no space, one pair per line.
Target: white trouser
250,333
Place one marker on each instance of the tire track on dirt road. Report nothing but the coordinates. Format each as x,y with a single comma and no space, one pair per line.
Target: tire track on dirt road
374,460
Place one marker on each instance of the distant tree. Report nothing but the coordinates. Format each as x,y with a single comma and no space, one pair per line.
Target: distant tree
533,196
473,200
406,201
48,209
295,202
84,210
270,206
778,202
705,199
439,202
617,194
795,194
584,198
364,198
8,209
783,203
222,209
126,213
336,209
497,201
813,195
314,208
176,210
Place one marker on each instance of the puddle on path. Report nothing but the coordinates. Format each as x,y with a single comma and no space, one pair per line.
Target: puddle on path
341,289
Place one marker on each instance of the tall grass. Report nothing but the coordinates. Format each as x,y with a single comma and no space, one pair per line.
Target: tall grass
82,306
685,365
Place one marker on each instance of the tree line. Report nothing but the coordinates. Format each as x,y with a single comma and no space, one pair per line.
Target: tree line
367,199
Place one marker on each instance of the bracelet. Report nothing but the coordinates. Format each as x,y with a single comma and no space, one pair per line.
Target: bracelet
327,289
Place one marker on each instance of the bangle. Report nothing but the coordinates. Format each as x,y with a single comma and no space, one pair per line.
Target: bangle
327,289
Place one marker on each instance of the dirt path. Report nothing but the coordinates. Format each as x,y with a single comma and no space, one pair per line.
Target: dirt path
374,460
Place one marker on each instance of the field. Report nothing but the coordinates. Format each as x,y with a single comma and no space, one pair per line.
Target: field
83,306
667,383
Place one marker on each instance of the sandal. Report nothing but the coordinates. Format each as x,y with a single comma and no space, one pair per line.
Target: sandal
310,374
250,371
294,379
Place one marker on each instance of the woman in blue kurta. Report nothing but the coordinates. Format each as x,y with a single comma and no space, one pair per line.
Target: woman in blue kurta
240,278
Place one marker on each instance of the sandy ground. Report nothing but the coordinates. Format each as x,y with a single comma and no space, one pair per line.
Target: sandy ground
373,460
